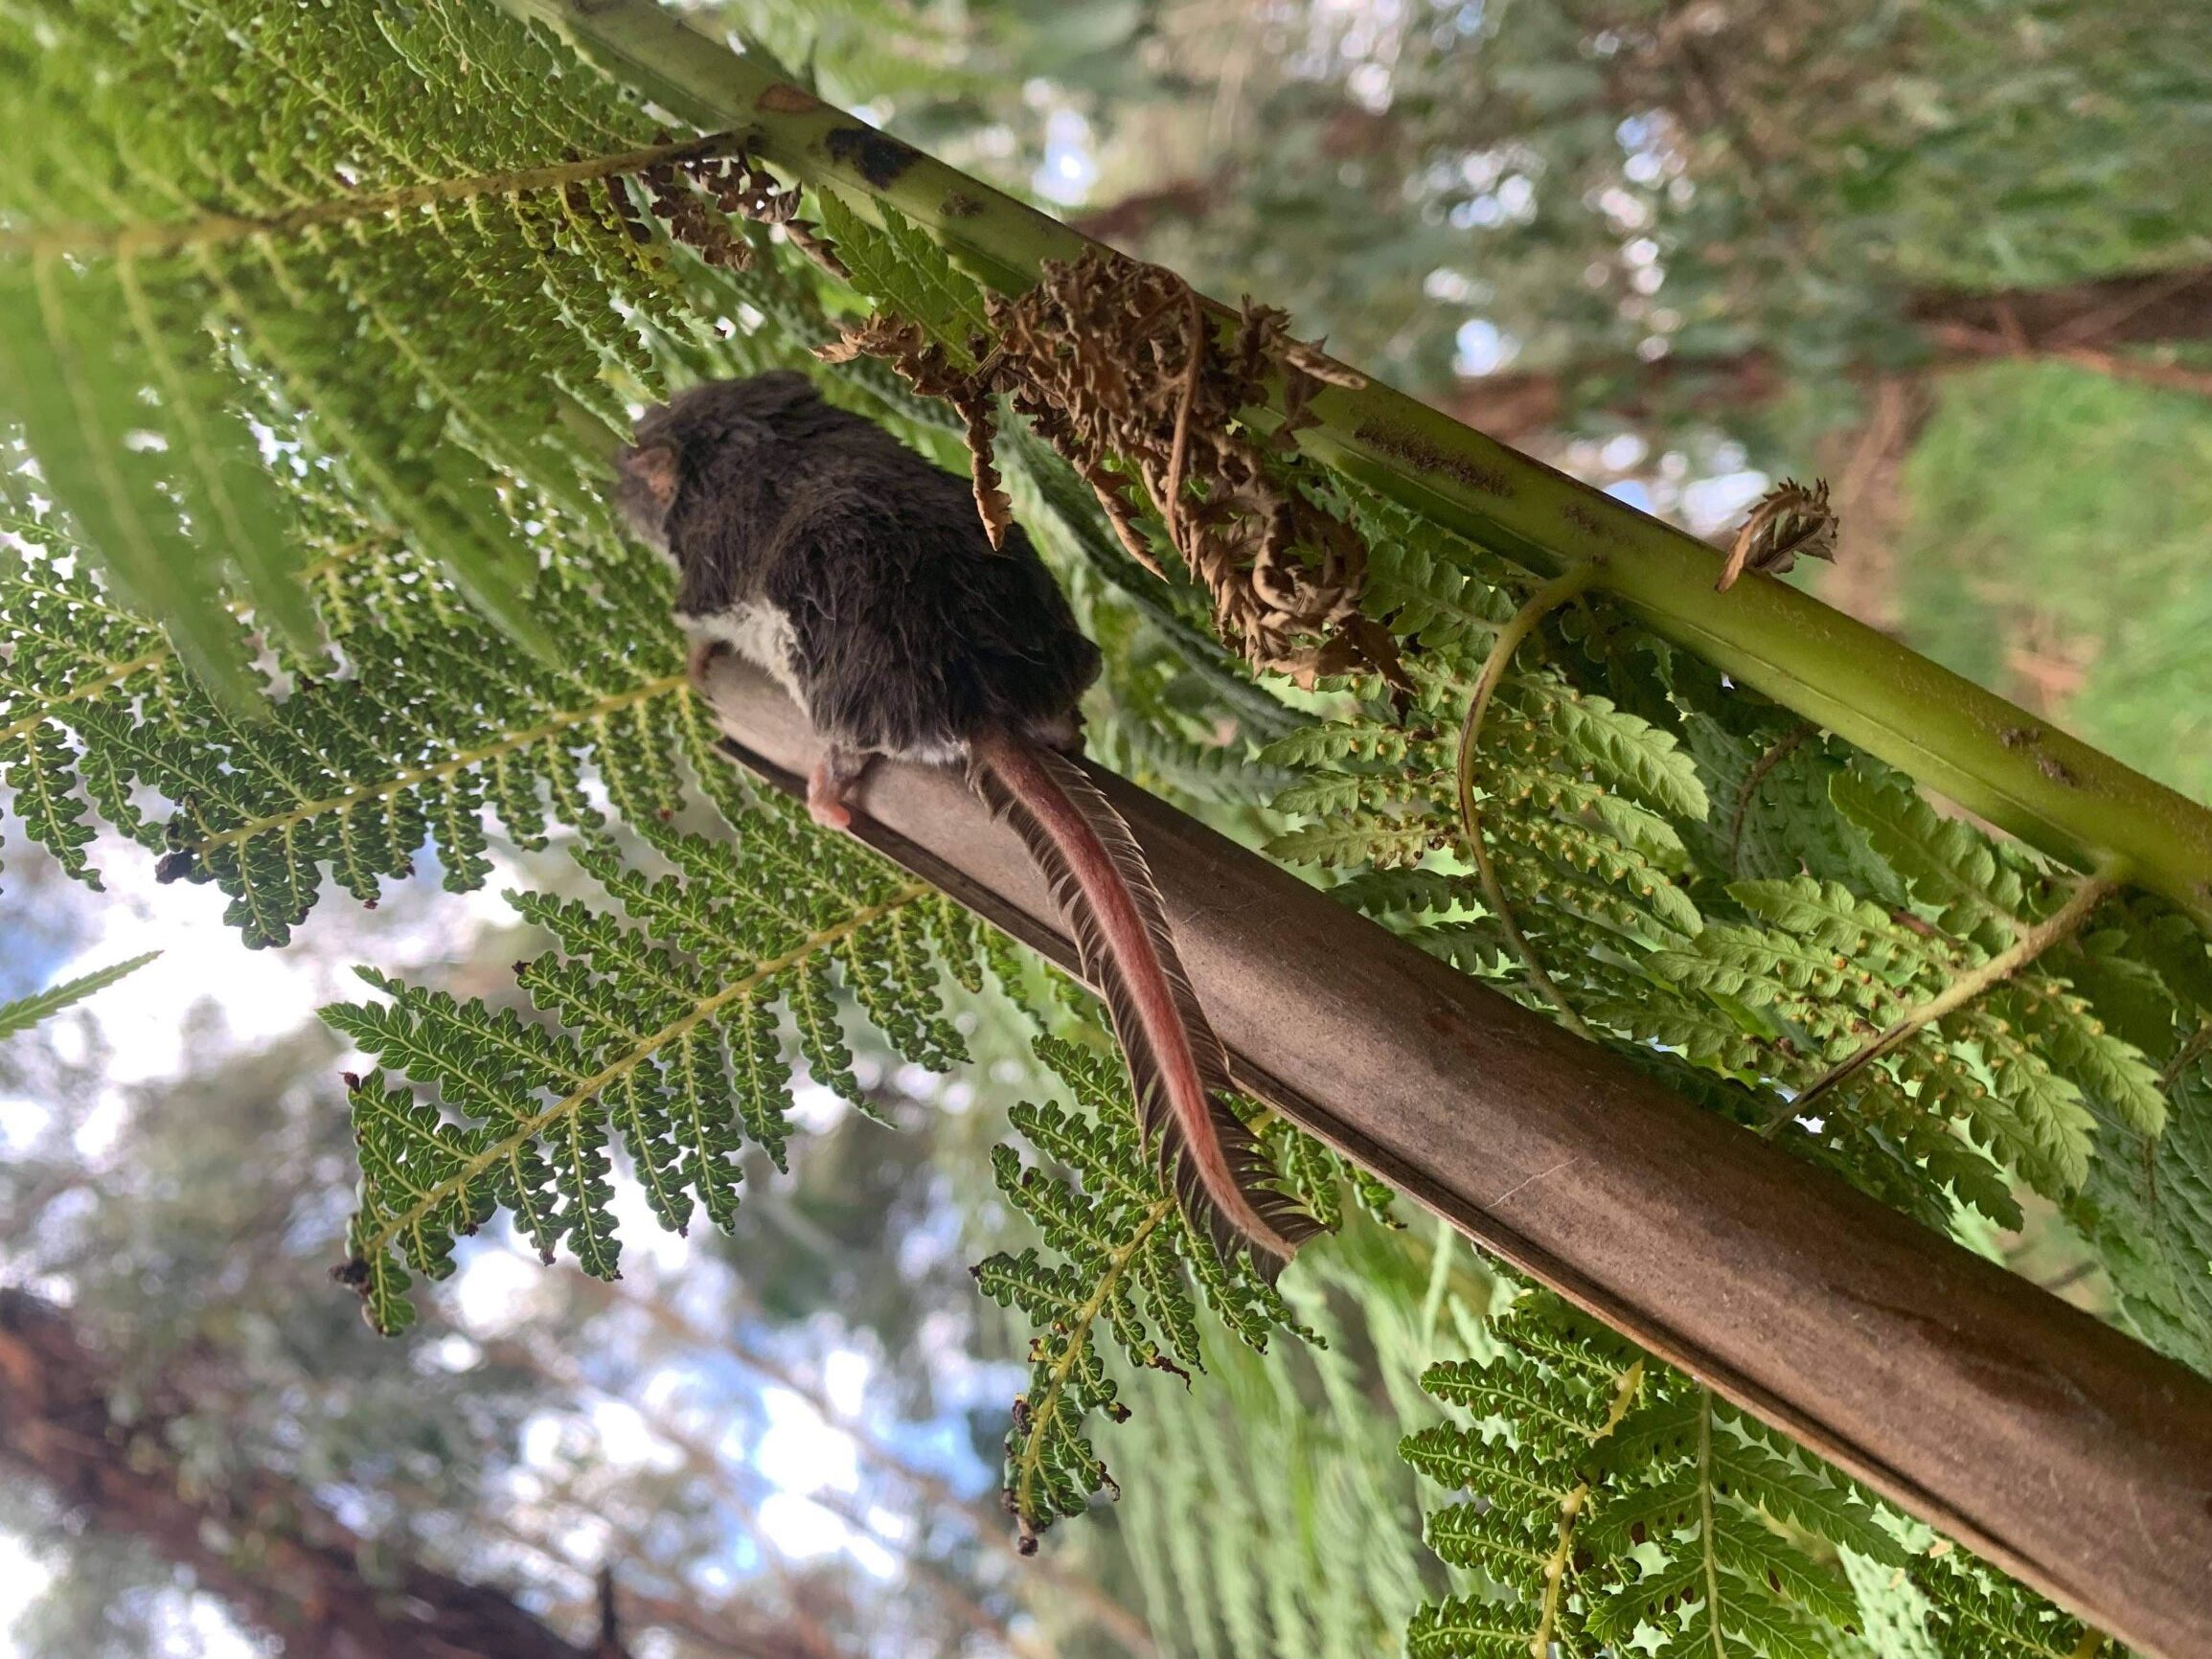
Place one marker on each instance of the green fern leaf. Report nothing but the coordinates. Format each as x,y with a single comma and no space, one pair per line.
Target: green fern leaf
1621,1509
1468,1628
1127,1259
1622,749
905,272
1974,1614
1768,816
79,350
1432,587
1949,865
26,1012
2148,1207
665,1038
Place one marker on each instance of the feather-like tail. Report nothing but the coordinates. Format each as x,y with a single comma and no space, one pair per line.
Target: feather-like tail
1105,892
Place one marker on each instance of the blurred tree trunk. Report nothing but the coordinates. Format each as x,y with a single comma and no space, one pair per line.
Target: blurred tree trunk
266,1546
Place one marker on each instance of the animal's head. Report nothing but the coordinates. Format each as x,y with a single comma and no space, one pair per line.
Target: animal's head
675,440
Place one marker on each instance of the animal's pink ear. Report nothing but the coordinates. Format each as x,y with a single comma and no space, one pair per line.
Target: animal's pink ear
653,467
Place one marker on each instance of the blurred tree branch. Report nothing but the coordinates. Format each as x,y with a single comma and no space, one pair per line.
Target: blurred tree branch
267,1547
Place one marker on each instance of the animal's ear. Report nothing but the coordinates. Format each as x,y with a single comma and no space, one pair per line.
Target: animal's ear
653,467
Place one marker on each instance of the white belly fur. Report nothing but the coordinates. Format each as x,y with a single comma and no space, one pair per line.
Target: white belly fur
762,634
759,633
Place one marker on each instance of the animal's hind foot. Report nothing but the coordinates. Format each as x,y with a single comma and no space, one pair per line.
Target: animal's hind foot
830,787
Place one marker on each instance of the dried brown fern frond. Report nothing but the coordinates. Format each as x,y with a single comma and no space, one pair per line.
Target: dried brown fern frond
687,191
1790,522
1121,367
930,370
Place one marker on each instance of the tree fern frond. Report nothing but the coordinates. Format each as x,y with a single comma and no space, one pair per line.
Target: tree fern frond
1975,1613
1617,747
307,181
1619,1509
1123,1257
902,269
2148,1207
663,1032
78,345
1772,816
1948,866
1433,590
1716,884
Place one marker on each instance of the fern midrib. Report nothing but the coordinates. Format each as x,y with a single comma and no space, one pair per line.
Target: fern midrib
1079,1330
1968,987
114,674
408,779
506,1145
1626,1385
1705,1538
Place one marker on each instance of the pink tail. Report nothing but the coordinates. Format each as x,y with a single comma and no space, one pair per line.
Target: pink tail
1105,894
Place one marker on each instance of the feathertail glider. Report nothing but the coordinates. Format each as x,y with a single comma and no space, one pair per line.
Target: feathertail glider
1178,1067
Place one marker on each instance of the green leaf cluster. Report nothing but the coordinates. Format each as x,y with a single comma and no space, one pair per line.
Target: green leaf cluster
219,215
662,1028
1118,1257
424,722
1743,904
1613,1506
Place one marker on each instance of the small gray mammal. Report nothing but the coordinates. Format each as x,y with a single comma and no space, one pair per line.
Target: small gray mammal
814,543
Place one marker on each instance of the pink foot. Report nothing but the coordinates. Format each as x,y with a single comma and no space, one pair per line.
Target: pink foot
826,802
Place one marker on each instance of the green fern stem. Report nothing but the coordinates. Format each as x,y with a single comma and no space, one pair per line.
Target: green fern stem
2068,919
2192,1046
1990,756
431,1198
1778,751
400,782
1571,1508
1079,1324
1705,1518
1559,591
1554,1571
151,239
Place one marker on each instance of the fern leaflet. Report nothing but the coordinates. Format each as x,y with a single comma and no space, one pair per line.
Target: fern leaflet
26,1012
660,1029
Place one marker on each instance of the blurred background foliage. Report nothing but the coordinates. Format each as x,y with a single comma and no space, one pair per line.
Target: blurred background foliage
1956,254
